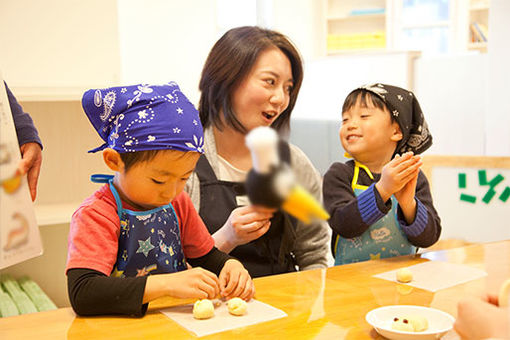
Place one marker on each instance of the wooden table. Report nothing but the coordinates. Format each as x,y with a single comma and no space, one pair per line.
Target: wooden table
321,304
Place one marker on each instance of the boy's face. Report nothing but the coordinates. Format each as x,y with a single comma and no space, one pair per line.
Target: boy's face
154,183
368,134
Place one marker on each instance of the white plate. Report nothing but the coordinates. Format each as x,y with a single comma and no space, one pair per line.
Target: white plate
381,319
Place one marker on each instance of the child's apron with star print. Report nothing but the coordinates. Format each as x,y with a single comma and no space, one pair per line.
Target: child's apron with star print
382,239
149,241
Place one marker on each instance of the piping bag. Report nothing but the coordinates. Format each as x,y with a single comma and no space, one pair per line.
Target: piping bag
271,183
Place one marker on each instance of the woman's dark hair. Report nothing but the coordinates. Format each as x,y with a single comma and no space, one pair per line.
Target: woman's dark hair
366,99
228,63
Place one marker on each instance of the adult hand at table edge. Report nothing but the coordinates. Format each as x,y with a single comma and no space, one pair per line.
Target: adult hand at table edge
479,319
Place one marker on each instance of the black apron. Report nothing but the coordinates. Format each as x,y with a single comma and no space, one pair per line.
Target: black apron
272,253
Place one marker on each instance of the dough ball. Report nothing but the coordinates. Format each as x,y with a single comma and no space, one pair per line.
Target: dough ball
237,306
420,323
504,294
203,309
404,275
402,324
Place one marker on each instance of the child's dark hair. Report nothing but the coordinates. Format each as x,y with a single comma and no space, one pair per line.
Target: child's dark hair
131,158
362,94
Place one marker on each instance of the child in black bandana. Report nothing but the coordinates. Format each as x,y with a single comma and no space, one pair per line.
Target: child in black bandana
380,202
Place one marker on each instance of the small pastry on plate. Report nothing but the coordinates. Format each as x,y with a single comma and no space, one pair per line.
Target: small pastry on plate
412,323
402,324
420,323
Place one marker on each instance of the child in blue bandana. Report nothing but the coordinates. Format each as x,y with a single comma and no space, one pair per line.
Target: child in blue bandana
380,202
140,222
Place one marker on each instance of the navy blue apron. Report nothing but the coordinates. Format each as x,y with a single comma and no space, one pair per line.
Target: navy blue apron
149,241
383,239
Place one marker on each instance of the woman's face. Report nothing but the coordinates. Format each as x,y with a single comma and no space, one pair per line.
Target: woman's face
265,91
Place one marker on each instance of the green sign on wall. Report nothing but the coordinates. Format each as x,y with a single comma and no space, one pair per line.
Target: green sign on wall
483,181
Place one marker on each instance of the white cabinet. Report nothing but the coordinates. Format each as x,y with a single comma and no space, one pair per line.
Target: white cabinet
430,26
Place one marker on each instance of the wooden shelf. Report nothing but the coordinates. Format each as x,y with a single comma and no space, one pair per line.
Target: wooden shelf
478,23
480,46
479,8
356,17
47,94
357,51
356,26
479,5
52,214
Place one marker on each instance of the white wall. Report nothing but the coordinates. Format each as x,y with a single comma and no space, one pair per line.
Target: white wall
164,40
498,106
452,95
160,40
59,43
327,81
302,21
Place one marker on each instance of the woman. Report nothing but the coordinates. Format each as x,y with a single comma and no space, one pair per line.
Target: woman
251,78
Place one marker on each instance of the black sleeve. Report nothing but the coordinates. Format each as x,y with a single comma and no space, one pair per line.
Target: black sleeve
212,261
432,230
25,128
342,204
93,293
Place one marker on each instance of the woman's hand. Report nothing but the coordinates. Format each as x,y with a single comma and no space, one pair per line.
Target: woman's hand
196,283
31,160
235,281
480,319
397,173
243,225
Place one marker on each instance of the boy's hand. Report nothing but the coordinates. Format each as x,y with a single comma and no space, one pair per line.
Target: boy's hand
235,281
397,173
243,225
405,198
408,191
196,283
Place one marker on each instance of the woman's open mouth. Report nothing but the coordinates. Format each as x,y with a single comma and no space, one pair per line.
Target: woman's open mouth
269,115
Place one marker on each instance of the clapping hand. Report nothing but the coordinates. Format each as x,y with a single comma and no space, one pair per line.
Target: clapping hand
399,176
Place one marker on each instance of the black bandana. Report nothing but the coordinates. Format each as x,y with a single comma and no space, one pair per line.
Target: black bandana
406,110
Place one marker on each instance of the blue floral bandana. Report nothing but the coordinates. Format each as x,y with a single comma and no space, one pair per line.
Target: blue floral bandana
144,117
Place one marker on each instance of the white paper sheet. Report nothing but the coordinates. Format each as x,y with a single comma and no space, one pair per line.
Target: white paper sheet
222,320
437,275
19,232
